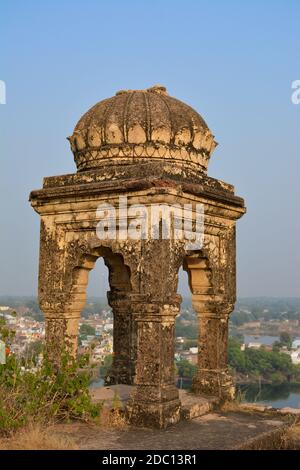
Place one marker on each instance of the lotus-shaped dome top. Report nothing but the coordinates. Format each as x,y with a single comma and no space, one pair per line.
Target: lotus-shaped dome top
141,125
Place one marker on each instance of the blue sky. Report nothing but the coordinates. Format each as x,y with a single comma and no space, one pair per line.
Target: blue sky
233,61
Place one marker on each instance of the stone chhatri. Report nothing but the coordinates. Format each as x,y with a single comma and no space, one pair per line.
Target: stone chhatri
153,149
145,125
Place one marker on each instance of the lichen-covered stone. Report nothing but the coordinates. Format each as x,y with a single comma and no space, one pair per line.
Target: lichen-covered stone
152,149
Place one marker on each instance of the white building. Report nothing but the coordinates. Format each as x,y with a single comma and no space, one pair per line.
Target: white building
98,330
296,344
194,350
254,345
180,339
295,356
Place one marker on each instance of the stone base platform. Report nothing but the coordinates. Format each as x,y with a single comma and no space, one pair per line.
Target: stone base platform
214,431
192,406
202,426
109,393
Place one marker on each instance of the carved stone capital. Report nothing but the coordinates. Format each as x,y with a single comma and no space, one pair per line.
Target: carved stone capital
212,308
119,301
157,311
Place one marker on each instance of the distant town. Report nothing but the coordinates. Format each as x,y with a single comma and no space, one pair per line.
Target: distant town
269,326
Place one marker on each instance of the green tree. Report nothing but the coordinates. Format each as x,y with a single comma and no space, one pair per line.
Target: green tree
33,350
240,318
271,365
236,357
185,368
45,394
285,339
87,330
186,331
276,346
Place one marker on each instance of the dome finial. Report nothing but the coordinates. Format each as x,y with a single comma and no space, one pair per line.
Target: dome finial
160,89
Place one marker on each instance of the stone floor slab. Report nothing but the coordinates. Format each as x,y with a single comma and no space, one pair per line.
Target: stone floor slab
214,431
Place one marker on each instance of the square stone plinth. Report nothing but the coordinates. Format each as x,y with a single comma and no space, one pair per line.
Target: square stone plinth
192,406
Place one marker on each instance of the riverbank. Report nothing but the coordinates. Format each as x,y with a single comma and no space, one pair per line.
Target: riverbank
285,395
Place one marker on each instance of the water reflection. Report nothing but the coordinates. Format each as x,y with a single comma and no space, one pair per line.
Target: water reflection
278,396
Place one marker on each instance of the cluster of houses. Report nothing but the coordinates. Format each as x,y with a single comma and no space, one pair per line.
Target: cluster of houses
100,344
27,330
190,354
294,352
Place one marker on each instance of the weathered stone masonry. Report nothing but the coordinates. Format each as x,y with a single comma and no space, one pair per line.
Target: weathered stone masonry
153,149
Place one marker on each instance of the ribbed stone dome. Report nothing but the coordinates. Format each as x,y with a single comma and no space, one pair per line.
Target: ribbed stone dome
137,126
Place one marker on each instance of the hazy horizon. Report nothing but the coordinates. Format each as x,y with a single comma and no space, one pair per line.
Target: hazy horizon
234,62
185,297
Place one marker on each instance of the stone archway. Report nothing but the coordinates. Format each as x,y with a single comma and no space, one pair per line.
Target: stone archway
124,337
212,309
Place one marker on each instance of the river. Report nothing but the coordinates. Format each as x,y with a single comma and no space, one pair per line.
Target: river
277,396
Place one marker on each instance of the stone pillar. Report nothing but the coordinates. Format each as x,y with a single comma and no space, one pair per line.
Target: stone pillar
61,335
212,376
123,367
62,315
155,402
